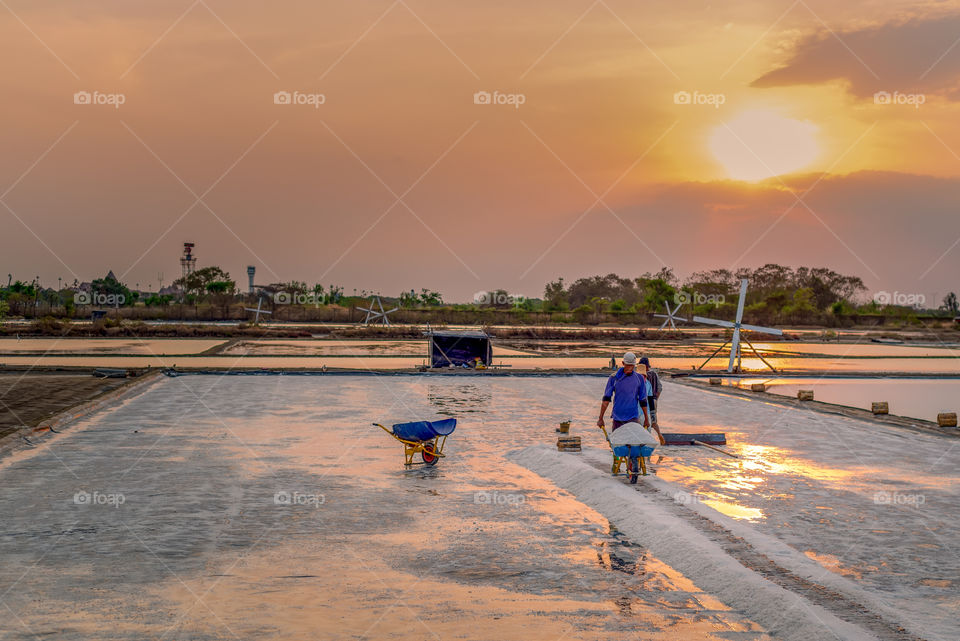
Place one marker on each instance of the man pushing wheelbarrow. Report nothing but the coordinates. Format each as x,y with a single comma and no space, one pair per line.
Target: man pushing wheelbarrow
627,389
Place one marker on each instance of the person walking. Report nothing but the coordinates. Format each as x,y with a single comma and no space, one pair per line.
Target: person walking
654,388
627,389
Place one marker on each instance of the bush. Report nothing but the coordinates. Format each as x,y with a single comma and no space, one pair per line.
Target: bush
842,307
584,315
48,325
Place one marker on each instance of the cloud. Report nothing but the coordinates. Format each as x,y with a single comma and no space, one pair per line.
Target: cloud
913,54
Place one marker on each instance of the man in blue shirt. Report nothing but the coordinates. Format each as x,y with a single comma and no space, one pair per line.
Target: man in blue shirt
628,391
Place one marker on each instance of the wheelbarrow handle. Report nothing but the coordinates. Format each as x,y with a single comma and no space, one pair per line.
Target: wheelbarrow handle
387,430
605,435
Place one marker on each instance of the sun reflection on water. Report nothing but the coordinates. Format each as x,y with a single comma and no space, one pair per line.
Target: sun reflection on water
736,487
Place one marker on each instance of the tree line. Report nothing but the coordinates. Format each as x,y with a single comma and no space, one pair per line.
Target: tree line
776,294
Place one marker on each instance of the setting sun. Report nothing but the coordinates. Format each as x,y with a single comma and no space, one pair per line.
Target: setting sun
760,143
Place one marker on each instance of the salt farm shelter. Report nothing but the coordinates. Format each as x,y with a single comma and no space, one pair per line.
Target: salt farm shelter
447,348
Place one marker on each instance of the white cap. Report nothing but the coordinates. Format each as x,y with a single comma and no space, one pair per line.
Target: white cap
629,358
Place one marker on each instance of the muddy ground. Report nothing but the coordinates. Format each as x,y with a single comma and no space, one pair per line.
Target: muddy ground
29,398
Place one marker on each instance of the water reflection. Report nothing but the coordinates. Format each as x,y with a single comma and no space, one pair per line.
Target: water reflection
734,510
734,487
916,398
459,399
834,564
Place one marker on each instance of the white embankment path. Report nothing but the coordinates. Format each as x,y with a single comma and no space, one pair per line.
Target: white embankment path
748,570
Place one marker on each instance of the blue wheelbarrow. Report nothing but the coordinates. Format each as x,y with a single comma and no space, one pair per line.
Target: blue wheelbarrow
633,456
424,437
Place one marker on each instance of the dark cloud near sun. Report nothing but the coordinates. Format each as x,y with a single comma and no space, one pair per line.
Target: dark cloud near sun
918,54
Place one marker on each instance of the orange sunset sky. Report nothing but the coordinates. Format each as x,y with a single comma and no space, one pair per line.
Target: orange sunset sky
689,134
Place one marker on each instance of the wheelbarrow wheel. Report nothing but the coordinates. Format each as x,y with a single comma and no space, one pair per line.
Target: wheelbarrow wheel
633,467
429,454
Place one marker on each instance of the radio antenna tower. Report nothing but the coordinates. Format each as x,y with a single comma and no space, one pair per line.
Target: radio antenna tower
188,262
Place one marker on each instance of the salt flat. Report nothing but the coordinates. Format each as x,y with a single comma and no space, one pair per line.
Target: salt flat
161,518
177,532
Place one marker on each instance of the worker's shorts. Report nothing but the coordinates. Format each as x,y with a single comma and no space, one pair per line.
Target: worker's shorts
617,423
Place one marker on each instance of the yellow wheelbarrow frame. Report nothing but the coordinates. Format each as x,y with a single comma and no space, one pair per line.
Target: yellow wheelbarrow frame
624,461
433,447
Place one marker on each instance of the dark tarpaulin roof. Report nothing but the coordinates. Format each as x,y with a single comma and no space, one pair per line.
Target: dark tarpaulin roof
470,333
